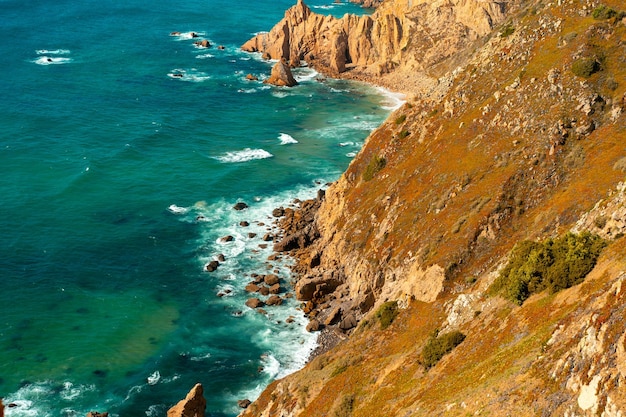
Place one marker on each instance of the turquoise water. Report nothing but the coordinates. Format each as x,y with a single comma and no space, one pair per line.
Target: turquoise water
122,151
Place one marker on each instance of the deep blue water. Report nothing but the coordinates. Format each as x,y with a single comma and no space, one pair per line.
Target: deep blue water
122,151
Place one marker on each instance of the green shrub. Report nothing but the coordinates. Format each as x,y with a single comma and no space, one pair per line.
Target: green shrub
603,12
439,345
400,119
376,164
507,30
387,313
553,264
345,407
585,67
403,134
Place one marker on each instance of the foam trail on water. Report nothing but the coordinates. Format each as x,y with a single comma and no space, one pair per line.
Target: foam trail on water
244,155
48,60
286,139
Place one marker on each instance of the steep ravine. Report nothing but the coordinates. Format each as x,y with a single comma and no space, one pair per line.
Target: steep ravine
502,139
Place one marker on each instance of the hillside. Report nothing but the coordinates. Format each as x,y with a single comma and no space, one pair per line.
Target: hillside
513,130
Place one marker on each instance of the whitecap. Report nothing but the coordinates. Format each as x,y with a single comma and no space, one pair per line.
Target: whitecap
70,392
154,378
173,208
48,60
351,154
187,35
156,410
200,358
342,144
205,56
279,94
244,155
192,75
304,74
271,366
53,51
391,100
286,139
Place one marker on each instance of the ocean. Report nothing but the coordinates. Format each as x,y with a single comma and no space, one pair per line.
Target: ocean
123,149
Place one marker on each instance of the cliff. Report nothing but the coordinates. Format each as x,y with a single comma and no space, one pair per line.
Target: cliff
401,36
513,130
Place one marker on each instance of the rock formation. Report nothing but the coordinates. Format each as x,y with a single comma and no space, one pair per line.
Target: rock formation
391,37
193,405
281,75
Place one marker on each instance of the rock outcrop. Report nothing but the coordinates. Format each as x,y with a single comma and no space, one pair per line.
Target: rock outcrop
193,405
281,75
382,42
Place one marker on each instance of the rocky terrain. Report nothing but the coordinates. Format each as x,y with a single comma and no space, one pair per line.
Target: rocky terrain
513,130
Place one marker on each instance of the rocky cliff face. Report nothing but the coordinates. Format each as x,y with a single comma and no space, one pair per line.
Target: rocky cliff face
412,34
516,133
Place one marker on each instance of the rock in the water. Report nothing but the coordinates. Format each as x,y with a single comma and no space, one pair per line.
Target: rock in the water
254,303
252,287
271,279
193,405
221,257
211,266
278,212
244,403
228,238
281,75
275,289
92,414
203,43
240,206
251,77
274,300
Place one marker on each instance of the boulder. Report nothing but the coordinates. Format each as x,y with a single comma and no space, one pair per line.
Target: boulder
251,77
211,266
90,414
274,300
313,326
308,288
240,206
264,290
271,279
348,322
228,238
268,237
254,303
244,224
203,43
252,287
333,317
221,257
278,212
244,403
281,75
251,235
193,405
275,289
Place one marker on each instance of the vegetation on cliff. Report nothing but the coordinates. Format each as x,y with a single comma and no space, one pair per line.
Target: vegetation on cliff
554,264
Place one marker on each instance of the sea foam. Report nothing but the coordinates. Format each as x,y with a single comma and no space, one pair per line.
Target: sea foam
286,139
244,155
49,60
